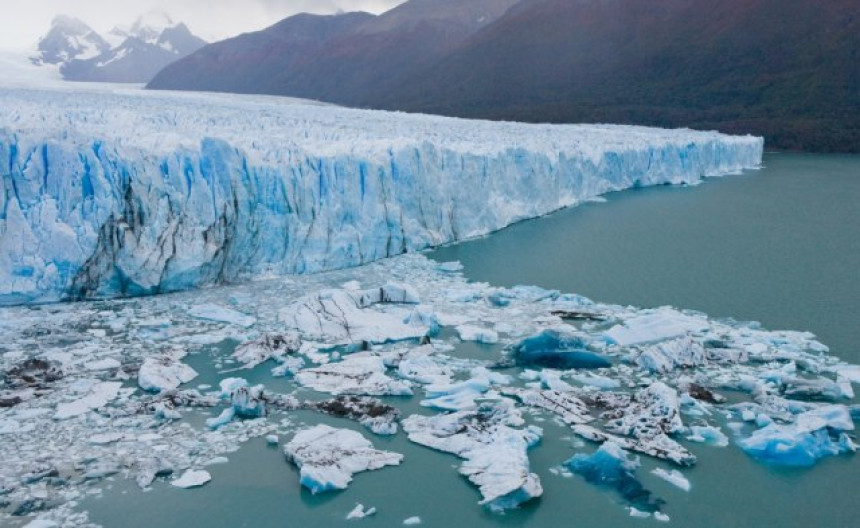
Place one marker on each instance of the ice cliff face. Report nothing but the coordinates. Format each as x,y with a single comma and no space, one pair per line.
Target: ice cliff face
120,192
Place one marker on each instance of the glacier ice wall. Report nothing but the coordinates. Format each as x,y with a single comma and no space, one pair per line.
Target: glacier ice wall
109,192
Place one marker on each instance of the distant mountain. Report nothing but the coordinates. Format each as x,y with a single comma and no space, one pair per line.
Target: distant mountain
345,58
132,55
785,69
69,39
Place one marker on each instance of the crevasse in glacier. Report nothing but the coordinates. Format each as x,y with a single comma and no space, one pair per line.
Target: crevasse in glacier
121,192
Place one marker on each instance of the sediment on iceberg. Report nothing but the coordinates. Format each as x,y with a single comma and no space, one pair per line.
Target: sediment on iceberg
126,193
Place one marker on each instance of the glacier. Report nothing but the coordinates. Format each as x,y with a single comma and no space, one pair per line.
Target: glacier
112,192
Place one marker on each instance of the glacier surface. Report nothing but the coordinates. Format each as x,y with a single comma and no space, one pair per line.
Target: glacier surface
115,192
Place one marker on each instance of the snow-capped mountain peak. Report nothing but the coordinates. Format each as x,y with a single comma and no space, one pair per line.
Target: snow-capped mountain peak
69,39
150,26
125,54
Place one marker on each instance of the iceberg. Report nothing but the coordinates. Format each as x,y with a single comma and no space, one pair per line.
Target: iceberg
159,374
193,478
813,435
328,458
494,451
359,375
659,325
346,317
215,188
100,395
555,349
610,466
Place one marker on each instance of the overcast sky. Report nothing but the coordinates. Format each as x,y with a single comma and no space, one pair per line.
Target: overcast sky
24,21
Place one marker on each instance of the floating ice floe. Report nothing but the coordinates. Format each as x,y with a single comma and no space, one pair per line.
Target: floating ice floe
158,374
672,476
328,458
610,466
377,416
567,406
269,346
813,435
477,334
99,396
221,314
193,478
659,325
357,374
494,450
359,512
556,349
341,316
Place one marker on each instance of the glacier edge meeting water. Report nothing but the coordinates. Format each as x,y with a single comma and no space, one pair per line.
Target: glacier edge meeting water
124,193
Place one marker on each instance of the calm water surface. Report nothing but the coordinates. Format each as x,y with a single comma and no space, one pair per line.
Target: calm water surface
780,245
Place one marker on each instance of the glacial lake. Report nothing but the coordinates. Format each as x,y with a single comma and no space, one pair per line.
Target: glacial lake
780,246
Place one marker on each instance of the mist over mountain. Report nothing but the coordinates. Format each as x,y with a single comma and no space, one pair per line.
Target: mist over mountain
785,69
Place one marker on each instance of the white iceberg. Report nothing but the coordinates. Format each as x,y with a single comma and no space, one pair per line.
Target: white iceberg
328,458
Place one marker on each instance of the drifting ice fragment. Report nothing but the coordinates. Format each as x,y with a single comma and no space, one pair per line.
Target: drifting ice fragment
221,314
610,467
99,396
192,478
494,452
662,324
345,317
554,349
477,334
163,374
360,513
814,434
672,476
362,375
329,457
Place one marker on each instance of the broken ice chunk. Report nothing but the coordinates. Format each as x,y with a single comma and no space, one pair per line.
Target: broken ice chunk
343,317
360,513
328,458
661,324
495,453
672,476
708,435
160,374
221,314
477,334
269,346
610,466
554,349
100,395
193,478
363,375
814,434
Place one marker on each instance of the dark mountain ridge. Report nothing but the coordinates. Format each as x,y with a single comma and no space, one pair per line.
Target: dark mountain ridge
785,69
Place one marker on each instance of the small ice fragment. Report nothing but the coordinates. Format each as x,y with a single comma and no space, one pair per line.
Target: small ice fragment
477,334
220,314
450,267
41,523
411,521
672,476
192,478
360,513
99,396
272,439
639,514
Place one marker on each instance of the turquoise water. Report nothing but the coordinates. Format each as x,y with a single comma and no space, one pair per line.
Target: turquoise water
780,245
